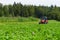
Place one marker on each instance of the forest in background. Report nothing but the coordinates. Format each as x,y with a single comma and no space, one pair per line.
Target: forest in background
17,9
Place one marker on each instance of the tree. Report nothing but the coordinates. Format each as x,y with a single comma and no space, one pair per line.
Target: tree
6,10
11,12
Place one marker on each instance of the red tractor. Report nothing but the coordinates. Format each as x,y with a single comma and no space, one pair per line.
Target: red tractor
43,20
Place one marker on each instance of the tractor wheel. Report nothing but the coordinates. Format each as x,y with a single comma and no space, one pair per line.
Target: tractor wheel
39,22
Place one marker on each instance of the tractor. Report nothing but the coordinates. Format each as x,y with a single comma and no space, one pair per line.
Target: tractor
43,20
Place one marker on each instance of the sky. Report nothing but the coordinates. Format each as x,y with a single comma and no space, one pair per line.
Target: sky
32,2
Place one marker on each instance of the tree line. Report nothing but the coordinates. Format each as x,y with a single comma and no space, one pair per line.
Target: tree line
17,9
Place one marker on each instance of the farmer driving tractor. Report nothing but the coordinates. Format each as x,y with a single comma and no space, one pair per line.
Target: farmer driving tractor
43,20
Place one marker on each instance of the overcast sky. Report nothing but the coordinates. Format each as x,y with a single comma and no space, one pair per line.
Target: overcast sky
33,2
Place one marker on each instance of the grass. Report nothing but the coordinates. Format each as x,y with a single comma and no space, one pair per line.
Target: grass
17,19
30,30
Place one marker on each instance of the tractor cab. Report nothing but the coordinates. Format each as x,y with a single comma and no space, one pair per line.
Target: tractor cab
43,20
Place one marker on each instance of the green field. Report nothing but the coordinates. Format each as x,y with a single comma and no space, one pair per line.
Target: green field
30,30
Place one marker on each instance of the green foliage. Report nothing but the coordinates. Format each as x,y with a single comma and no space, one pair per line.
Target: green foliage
17,9
17,19
29,31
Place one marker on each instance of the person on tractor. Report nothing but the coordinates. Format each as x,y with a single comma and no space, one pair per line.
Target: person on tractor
43,20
